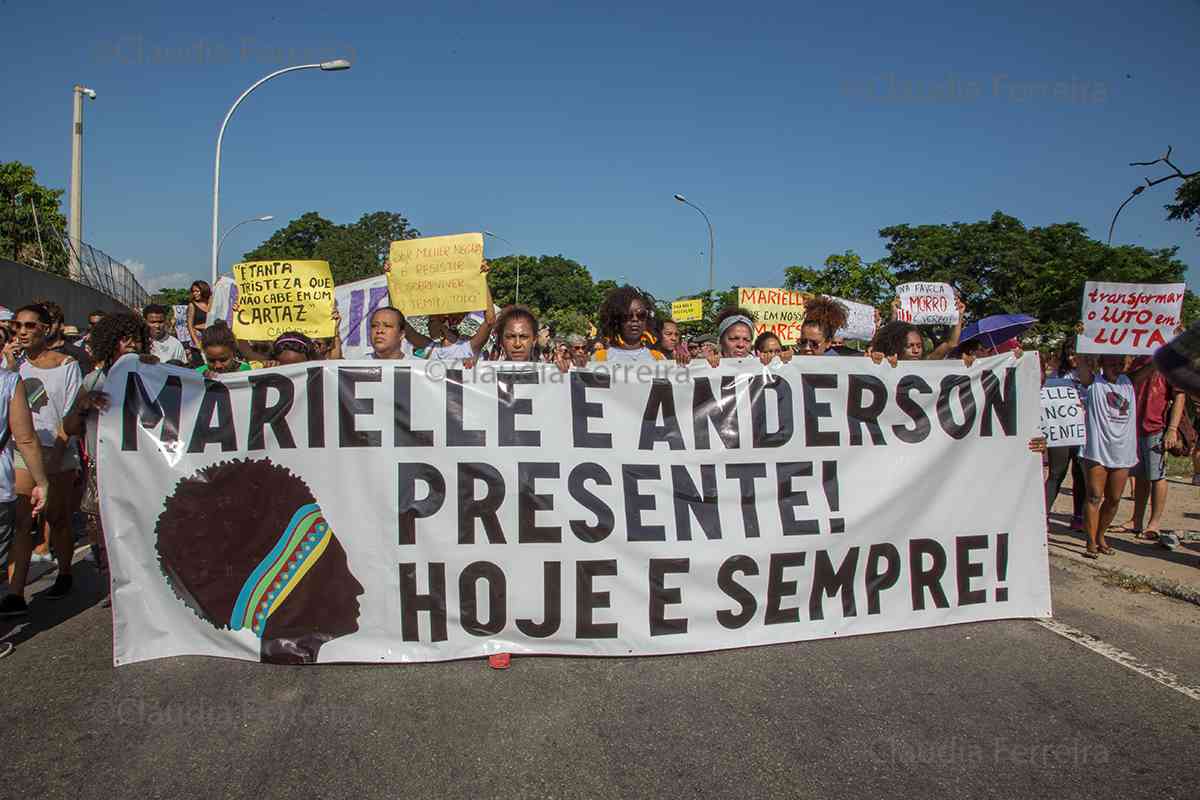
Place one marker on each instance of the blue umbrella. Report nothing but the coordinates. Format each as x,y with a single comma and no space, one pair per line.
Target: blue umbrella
997,329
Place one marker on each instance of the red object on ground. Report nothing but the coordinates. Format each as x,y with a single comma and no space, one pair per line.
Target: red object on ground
500,660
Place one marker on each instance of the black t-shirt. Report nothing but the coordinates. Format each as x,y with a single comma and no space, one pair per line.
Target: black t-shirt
78,353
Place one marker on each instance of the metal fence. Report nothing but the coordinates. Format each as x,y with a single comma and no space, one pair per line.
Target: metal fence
103,273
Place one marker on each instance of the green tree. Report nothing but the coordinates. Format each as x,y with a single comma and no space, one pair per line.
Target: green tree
845,275
712,304
1001,267
550,285
172,297
1187,202
20,195
354,251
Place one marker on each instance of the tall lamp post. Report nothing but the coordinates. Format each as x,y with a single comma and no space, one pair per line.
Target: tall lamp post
513,247
711,243
75,226
263,218
327,66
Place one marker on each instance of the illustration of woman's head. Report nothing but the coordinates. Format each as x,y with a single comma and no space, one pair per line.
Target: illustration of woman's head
245,545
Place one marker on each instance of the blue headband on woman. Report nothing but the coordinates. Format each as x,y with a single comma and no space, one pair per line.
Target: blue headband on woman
729,322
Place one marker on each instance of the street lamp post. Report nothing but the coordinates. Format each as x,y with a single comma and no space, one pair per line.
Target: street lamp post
327,66
75,226
711,243
263,218
513,247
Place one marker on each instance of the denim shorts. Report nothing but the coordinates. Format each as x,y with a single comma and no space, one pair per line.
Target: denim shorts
8,523
1152,458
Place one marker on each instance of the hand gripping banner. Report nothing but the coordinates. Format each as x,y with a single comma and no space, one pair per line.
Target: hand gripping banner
415,511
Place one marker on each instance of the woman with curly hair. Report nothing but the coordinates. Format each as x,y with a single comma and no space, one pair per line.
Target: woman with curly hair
199,304
113,336
897,341
626,321
823,318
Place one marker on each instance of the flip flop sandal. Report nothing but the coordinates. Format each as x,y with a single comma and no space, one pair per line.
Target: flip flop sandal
1091,554
1105,550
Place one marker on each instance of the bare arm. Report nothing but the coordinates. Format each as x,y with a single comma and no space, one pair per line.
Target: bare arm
20,422
489,319
1171,435
951,342
191,325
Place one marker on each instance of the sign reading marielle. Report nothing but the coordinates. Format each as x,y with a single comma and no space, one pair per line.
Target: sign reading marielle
1062,417
275,297
414,511
1129,318
437,275
780,311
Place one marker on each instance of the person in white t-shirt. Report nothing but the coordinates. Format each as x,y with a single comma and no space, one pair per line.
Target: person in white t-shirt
165,347
1110,406
444,343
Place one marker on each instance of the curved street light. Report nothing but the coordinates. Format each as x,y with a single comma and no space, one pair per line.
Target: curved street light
517,257
325,66
711,242
263,218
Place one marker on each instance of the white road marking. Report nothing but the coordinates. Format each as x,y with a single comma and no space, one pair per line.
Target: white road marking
1119,656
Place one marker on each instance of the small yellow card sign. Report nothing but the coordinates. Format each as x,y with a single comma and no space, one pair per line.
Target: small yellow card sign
687,310
438,274
276,297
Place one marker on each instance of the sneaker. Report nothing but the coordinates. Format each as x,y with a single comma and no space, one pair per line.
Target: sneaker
41,558
5,648
1168,540
61,588
13,606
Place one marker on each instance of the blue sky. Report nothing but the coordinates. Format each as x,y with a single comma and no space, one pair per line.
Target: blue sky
800,128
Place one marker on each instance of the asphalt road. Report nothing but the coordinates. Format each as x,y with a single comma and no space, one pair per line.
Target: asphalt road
1000,709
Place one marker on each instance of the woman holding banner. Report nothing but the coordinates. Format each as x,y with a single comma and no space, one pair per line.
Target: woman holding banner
823,318
626,321
1110,403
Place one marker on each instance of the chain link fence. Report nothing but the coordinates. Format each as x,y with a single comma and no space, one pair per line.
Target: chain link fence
103,273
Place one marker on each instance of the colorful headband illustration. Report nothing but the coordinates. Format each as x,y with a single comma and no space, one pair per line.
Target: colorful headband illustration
302,543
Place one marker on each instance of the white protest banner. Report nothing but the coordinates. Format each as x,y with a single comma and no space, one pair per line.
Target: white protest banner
1129,318
355,302
410,511
927,304
860,322
1062,417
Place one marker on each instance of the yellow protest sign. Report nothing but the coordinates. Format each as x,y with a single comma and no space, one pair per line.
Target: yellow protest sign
687,310
275,297
780,311
437,275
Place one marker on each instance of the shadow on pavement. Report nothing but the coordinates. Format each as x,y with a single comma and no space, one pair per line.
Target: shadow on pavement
44,613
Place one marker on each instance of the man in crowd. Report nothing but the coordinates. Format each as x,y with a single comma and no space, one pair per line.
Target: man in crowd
1159,411
163,345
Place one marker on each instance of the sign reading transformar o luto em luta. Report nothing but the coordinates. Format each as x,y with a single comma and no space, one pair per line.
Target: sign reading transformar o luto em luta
277,297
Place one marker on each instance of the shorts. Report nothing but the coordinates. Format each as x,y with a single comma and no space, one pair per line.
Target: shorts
8,523
1152,458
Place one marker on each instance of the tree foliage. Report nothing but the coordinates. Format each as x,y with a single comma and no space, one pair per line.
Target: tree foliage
1187,202
354,251
172,297
20,195
845,275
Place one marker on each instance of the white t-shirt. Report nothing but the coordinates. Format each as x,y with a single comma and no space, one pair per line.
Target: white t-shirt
8,385
167,349
1111,422
618,355
51,393
458,351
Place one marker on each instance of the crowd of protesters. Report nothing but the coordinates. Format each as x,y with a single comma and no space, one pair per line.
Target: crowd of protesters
51,383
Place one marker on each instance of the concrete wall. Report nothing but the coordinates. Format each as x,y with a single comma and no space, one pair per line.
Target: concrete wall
21,285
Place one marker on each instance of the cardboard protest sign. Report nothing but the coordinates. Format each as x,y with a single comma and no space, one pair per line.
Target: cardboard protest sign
1129,318
780,311
687,310
438,274
275,297
400,511
927,304
860,321
1062,416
